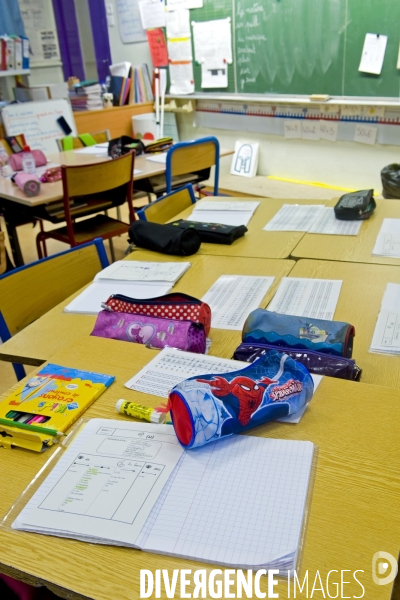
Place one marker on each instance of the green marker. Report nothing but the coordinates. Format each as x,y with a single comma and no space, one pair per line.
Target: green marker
36,428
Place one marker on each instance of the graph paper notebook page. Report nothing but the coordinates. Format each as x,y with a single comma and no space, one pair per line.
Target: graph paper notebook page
386,338
227,213
294,217
242,488
326,222
306,297
388,240
135,279
232,297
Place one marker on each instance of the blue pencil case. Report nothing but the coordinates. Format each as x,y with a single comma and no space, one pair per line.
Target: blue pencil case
209,407
288,331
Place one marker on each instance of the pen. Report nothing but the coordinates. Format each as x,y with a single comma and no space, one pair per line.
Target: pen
36,428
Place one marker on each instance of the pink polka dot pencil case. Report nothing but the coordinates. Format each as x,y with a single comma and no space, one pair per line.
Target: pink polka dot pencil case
176,306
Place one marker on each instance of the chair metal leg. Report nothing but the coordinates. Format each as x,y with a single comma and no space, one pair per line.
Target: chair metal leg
112,249
118,213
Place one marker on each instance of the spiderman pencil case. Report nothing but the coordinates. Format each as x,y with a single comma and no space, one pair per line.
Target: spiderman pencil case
304,333
175,306
206,408
153,332
315,362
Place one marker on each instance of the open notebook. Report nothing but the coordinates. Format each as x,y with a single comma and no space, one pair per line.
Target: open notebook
136,279
239,501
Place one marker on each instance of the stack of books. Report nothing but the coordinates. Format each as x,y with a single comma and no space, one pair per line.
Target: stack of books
86,95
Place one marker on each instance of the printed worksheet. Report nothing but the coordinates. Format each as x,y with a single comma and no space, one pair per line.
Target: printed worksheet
233,297
294,217
306,297
388,240
326,222
107,481
172,366
135,270
386,336
226,213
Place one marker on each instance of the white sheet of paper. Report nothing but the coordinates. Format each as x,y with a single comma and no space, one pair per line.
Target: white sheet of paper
158,158
120,69
292,129
108,480
245,159
181,77
178,24
137,270
386,336
137,171
179,49
315,298
227,213
373,53
233,297
93,150
327,223
212,40
89,301
226,206
172,366
294,217
388,240
310,129
296,417
175,4
152,13
214,74
328,130
365,134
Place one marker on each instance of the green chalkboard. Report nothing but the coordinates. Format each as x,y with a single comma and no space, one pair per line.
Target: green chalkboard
306,46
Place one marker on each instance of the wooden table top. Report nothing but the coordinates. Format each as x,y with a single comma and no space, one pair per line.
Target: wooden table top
53,191
354,510
40,340
359,304
256,243
351,248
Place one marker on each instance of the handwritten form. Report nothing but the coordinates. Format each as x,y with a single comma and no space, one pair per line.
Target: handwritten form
233,297
107,481
373,53
388,240
152,13
386,338
306,297
172,366
135,270
130,25
226,213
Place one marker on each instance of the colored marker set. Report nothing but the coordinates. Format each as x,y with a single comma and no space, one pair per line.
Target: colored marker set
46,405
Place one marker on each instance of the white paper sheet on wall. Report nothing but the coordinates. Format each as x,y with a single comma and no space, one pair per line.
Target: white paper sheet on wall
175,4
152,13
214,74
365,134
373,53
178,24
310,130
292,129
328,130
212,41
179,49
181,77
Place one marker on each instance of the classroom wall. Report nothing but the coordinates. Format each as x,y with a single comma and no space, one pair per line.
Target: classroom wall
340,163
136,54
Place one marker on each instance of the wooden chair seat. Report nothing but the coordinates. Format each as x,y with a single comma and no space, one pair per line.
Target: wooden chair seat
84,231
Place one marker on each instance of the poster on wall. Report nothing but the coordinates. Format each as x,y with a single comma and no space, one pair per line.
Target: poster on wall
41,31
129,22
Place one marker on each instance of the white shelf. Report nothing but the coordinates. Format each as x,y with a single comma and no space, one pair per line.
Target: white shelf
9,72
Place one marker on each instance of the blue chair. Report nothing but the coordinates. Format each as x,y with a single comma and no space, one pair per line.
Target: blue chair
167,207
193,158
28,292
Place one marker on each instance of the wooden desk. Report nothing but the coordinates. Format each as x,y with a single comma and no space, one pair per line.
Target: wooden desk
40,340
354,509
351,248
359,304
256,243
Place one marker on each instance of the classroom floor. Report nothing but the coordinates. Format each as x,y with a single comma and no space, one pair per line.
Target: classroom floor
27,236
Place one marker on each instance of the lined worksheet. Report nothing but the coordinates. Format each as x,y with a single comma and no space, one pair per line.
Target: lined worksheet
294,217
304,297
106,483
137,270
226,213
388,240
233,297
172,366
386,338
326,222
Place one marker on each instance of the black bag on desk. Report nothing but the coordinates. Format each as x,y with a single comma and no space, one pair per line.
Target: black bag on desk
123,145
390,176
164,238
213,233
355,206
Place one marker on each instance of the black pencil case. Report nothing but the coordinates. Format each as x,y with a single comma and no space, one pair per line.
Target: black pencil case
213,233
164,238
316,362
355,206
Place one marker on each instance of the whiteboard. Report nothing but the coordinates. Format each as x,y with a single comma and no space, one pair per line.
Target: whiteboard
129,21
38,122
